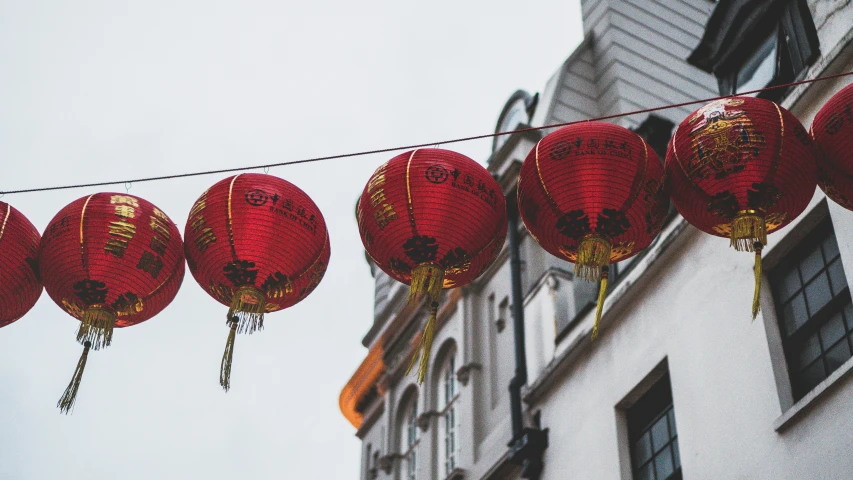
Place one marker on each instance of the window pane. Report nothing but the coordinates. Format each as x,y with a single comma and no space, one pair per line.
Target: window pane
643,449
644,473
663,463
760,69
830,248
813,353
810,351
811,264
808,378
832,331
660,434
788,285
818,294
794,314
837,355
836,276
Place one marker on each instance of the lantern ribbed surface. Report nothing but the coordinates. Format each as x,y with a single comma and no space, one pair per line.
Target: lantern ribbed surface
432,207
593,194
258,244
113,252
258,231
432,219
740,155
592,180
832,130
741,168
20,282
109,260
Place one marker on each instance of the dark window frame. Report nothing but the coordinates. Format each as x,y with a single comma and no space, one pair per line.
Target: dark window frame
736,31
643,416
794,343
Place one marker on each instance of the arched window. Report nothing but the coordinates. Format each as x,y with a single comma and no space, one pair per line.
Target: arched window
410,439
448,425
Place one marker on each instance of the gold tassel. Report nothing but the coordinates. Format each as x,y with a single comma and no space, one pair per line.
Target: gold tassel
756,301
602,294
248,304
96,327
748,228
427,279
228,356
593,253
425,345
66,402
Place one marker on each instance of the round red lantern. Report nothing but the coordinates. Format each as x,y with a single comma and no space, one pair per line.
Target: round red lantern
592,194
20,283
257,244
741,168
109,260
432,219
832,130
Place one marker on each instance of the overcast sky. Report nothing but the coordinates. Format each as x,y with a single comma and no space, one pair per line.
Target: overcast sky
93,91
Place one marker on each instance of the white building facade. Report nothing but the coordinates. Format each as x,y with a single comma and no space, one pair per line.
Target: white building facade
681,383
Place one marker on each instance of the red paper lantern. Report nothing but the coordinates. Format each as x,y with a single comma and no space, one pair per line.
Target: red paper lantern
741,168
109,260
432,219
20,283
257,244
832,130
592,194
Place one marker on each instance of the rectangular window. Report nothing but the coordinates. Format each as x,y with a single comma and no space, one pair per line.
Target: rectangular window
749,47
448,417
814,309
759,69
653,437
411,438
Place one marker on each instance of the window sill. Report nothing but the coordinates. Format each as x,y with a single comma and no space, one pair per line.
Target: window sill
800,408
572,340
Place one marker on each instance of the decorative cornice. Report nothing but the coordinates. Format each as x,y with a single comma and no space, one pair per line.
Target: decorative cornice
463,373
386,462
425,419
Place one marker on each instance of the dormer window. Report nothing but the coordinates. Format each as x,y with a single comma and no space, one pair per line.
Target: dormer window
758,70
750,45
516,113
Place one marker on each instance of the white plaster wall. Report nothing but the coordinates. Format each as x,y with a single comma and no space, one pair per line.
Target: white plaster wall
540,322
695,314
491,406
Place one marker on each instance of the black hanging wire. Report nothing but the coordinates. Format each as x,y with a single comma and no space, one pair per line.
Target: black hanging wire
410,147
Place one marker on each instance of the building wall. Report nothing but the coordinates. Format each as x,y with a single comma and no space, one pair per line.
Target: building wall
684,308
639,48
690,313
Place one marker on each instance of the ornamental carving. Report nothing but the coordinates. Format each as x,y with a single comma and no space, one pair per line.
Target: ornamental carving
723,140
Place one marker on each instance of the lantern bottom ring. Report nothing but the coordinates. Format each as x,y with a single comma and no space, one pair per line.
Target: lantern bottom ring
427,278
748,228
96,327
594,252
248,304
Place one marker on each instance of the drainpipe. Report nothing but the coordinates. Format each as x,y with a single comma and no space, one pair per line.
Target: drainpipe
528,444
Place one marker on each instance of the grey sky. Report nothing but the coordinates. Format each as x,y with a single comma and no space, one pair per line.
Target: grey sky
112,89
